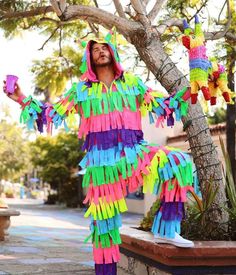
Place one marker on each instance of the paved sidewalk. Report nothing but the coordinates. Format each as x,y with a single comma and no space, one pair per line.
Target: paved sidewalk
48,240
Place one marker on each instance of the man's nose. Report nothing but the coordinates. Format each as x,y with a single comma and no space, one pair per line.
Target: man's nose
102,51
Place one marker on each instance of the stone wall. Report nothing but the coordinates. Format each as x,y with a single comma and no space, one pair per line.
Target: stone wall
141,255
132,266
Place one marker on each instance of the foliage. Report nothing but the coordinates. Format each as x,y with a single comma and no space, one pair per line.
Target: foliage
57,158
218,117
70,192
197,225
52,74
52,199
146,223
13,150
9,193
47,25
183,8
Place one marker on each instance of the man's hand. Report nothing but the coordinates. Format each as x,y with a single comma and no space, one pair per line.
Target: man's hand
17,93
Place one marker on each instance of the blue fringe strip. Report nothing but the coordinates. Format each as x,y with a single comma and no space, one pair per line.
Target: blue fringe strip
164,228
104,226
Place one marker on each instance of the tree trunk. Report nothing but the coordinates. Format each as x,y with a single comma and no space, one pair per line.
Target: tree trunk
231,118
202,148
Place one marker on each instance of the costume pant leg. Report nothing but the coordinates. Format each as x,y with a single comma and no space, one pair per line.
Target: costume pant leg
170,176
106,205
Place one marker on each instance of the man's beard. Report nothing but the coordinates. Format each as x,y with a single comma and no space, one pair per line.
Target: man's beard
105,64
109,63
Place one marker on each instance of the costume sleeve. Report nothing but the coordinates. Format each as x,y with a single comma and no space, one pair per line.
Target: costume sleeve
161,108
46,115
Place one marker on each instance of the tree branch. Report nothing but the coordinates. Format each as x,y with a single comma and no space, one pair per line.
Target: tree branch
221,11
230,36
220,34
94,29
208,35
198,10
60,42
141,13
223,33
169,23
87,13
145,2
108,20
96,3
155,10
142,17
119,8
102,17
138,7
26,14
56,8
49,19
52,34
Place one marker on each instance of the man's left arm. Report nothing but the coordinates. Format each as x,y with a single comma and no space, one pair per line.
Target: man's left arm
161,108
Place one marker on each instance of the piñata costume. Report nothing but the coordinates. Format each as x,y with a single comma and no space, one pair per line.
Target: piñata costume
209,77
118,159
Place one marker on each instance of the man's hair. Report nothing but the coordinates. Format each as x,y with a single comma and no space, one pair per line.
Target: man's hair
92,43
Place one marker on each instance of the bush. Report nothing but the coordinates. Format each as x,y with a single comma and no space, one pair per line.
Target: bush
52,199
69,194
9,194
146,223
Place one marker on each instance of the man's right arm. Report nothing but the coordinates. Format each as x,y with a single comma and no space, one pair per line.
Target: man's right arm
45,114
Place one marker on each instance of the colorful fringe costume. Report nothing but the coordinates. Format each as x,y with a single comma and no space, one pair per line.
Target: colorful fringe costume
204,75
118,159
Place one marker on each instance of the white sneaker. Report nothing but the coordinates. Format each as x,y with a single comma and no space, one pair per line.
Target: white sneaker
177,241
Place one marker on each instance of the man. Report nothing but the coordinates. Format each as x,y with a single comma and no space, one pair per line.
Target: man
110,103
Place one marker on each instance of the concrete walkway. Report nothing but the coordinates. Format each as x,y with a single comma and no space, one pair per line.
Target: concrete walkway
48,240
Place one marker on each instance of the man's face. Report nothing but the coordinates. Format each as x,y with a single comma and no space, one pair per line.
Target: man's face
101,55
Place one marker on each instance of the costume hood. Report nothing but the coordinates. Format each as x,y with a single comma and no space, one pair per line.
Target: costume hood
86,68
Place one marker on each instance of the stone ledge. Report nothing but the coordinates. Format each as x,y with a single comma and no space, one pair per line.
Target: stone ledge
5,221
8,212
205,253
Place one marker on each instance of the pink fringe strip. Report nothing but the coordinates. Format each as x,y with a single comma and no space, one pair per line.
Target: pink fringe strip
106,255
114,120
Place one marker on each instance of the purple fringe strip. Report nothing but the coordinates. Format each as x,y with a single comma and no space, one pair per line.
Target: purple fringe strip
172,211
170,120
106,269
41,120
110,139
